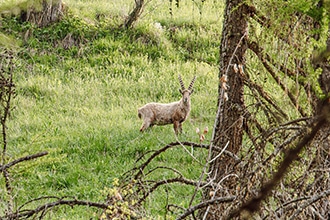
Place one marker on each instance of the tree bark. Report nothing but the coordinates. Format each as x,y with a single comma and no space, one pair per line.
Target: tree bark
135,14
44,13
321,162
229,124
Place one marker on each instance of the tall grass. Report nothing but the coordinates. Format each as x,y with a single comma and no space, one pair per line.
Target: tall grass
80,103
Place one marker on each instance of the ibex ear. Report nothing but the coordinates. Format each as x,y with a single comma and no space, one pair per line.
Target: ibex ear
180,91
191,92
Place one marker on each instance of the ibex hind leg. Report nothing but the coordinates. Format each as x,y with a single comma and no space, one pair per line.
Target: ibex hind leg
180,128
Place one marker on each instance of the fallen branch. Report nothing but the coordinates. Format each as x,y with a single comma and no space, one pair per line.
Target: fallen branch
43,208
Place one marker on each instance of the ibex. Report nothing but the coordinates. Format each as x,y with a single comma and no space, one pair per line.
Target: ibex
172,113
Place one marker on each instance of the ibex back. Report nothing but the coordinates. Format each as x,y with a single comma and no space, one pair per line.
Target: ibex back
172,113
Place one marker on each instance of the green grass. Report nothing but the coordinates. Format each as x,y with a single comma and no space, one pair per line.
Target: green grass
79,100
80,104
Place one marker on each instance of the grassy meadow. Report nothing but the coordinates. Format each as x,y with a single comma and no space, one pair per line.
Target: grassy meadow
79,101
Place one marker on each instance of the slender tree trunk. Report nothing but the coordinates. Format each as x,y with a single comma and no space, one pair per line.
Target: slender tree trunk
135,14
44,13
229,125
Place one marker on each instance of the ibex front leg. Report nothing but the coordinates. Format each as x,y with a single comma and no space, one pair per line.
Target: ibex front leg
177,127
145,125
180,127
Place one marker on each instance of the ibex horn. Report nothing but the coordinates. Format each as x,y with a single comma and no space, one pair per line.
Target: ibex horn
181,83
192,83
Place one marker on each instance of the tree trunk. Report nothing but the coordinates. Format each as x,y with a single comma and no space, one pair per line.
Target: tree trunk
44,13
321,162
135,14
229,125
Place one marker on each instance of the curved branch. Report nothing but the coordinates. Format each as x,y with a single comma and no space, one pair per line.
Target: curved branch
174,144
166,181
163,167
29,157
205,204
45,207
135,14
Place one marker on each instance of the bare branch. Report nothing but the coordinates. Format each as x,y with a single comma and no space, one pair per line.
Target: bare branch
205,204
175,144
7,90
254,204
265,96
19,160
263,59
309,202
47,206
10,200
167,181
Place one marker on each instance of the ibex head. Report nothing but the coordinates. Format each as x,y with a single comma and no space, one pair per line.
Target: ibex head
186,92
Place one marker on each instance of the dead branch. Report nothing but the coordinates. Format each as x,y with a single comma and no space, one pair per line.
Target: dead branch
7,88
154,155
285,143
309,202
251,119
264,95
74,202
38,199
7,91
277,150
205,204
263,59
29,157
157,184
163,167
253,204
140,168
9,189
